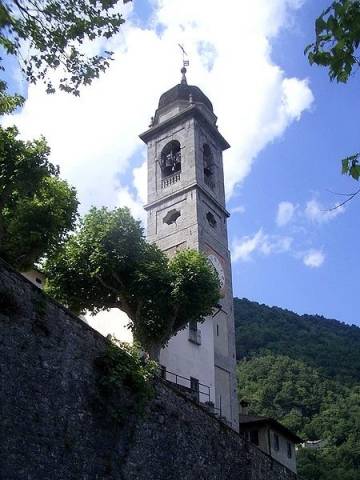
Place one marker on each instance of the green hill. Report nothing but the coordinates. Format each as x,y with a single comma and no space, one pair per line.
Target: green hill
329,345
304,371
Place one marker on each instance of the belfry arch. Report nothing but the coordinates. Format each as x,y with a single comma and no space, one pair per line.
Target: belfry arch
209,167
170,162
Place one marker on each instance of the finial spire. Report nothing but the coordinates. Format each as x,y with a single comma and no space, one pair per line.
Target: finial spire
185,64
183,77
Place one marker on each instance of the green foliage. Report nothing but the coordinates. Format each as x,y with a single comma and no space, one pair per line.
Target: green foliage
195,287
337,40
54,31
123,366
329,345
351,166
8,103
286,389
108,264
37,208
304,371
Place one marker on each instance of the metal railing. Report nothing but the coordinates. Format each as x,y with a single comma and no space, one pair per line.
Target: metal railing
202,393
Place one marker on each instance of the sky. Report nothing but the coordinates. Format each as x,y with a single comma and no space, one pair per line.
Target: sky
287,124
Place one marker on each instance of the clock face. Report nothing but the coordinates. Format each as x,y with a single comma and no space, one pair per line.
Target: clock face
215,262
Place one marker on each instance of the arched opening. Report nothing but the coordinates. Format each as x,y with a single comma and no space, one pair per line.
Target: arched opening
170,159
208,162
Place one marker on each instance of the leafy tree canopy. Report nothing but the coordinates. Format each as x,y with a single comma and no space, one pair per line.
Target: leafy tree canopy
109,264
304,371
329,345
37,208
337,40
314,407
53,31
286,389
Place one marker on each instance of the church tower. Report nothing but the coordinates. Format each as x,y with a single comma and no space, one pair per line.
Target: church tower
186,209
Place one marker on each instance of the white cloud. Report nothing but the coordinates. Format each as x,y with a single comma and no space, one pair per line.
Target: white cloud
239,209
275,244
314,258
285,213
243,248
297,97
127,199
136,200
94,137
114,322
317,213
140,181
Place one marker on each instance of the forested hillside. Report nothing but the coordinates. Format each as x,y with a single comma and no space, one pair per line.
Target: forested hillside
304,371
329,345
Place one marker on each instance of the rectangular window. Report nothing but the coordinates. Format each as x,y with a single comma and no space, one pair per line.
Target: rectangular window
193,326
254,437
217,330
276,442
289,450
194,386
194,333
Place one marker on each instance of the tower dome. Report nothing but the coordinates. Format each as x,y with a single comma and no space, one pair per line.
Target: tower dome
183,91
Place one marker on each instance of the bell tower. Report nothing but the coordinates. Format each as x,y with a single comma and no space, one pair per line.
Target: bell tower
186,209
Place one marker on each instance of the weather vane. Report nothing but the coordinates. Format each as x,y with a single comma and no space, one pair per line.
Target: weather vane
184,54
185,64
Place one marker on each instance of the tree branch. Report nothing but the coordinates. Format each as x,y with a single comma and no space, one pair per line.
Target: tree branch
350,197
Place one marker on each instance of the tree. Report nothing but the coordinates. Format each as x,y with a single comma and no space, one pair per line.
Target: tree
108,264
337,41
328,345
53,31
311,405
336,46
37,208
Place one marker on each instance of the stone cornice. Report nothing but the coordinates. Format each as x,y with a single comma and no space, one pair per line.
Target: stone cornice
189,187
191,112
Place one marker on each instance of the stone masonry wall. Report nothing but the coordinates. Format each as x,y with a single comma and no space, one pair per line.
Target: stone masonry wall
54,425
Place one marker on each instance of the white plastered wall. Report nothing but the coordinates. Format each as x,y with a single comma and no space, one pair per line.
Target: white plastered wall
183,357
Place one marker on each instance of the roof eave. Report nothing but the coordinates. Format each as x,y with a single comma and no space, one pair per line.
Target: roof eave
192,110
276,425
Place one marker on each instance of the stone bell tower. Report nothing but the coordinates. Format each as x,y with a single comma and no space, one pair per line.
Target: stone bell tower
186,209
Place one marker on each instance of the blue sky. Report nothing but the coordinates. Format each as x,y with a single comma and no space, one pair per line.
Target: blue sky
288,125
303,164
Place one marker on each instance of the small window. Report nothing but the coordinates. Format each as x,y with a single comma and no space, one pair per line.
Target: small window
217,330
171,217
194,333
254,437
289,450
193,326
211,219
276,442
38,280
170,159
